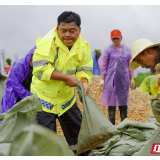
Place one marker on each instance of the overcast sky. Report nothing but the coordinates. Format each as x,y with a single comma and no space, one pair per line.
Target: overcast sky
20,26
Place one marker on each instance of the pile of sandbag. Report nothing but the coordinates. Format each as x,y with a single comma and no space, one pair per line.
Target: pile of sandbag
133,140
20,136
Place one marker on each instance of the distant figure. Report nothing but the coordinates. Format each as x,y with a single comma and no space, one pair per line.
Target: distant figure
7,69
96,70
114,66
18,82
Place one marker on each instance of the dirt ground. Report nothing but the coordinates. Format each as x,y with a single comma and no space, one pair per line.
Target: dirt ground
139,108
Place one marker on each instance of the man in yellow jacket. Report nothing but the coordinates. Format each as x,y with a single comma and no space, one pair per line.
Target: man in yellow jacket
62,59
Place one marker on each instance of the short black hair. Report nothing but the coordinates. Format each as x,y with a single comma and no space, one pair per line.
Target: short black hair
69,16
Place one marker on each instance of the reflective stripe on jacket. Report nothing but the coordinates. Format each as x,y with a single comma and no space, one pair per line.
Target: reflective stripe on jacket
77,62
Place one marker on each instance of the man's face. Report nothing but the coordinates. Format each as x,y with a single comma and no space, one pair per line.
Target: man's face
147,59
68,33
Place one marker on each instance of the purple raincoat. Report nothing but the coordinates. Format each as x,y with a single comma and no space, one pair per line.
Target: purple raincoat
14,87
114,63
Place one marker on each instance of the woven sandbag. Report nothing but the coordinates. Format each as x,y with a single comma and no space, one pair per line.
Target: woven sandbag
95,127
19,116
155,104
36,140
146,151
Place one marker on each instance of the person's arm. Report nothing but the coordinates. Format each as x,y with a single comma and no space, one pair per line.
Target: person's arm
17,77
102,62
84,69
145,85
71,81
132,82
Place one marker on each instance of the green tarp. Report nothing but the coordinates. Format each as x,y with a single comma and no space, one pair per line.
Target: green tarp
19,116
132,138
36,140
20,136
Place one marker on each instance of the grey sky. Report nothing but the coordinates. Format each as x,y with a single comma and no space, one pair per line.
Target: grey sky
20,26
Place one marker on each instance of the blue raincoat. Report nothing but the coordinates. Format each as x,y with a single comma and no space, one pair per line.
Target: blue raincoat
14,87
96,70
114,63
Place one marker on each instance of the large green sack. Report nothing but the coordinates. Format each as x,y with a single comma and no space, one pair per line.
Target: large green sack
19,116
137,130
132,138
5,148
95,127
36,140
2,88
146,150
155,104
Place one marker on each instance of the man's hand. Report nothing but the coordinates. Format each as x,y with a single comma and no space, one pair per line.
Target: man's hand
85,87
71,81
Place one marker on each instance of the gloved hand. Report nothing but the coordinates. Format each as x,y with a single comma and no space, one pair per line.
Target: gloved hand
132,84
101,84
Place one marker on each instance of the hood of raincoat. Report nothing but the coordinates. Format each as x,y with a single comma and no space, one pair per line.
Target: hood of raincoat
14,87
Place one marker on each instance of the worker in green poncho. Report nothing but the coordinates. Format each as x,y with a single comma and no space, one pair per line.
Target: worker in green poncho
150,85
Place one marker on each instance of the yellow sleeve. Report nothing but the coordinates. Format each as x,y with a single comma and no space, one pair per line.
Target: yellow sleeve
43,60
85,68
145,86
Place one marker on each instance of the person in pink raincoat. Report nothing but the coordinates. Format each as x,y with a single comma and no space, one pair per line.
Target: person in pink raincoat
115,76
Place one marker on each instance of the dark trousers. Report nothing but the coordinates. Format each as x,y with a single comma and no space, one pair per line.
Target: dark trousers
111,112
70,122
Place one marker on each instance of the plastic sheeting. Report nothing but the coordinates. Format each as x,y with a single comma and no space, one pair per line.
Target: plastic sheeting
132,138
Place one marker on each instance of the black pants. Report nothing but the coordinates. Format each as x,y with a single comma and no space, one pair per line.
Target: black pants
70,122
111,112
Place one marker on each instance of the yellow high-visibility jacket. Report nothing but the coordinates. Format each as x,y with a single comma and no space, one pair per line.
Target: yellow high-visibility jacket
150,85
51,54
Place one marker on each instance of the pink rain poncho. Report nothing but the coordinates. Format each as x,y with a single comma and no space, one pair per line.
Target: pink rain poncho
114,63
